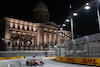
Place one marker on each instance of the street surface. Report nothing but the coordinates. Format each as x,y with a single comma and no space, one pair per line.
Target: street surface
48,63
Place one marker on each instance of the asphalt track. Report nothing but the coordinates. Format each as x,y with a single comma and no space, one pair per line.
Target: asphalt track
48,63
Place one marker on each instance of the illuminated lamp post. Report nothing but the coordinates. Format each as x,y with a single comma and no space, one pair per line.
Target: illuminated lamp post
72,31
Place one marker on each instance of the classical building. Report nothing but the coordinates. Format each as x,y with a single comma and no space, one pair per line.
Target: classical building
37,34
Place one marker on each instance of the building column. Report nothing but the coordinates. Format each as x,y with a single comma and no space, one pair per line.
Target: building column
47,37
57,38
52,37
42,36
35,41
38,36
7,34
61,40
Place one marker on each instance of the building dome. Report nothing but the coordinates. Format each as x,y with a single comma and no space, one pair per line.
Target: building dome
40,5
40,12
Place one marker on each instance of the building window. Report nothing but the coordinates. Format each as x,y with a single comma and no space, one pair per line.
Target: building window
13,25
18,26
23,27
32,29
27,27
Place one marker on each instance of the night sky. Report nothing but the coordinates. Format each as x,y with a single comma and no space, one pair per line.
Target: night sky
84,24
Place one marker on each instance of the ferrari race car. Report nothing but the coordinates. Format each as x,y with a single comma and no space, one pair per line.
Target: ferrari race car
34,62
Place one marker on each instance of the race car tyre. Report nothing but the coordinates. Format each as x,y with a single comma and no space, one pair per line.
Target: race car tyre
27,63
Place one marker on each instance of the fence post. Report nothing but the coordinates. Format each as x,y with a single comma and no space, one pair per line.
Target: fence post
88,48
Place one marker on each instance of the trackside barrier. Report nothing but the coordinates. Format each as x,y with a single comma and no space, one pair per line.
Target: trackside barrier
80,60
4,58
49,58
35,55
49,54
83,50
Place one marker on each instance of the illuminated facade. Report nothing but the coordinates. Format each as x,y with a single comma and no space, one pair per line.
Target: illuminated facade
38,34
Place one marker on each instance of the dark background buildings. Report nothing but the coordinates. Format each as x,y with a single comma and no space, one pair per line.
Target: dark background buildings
84,24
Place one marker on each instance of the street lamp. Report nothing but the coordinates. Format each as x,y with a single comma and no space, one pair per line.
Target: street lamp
63,25
75,14
98,15
71,19
61,28
67,20
87,7
72,32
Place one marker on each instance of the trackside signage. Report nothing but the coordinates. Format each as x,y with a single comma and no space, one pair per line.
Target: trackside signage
4,58
87,61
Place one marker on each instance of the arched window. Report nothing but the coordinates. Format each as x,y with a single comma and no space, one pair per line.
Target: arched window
28,27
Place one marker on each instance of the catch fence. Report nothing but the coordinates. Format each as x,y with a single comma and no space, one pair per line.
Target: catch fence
87,46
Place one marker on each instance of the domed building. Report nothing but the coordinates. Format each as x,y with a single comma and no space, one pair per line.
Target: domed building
37,34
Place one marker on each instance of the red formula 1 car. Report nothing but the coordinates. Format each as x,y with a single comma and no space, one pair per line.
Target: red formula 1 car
34,62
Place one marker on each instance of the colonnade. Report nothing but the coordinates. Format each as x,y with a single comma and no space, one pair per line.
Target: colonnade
26,41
